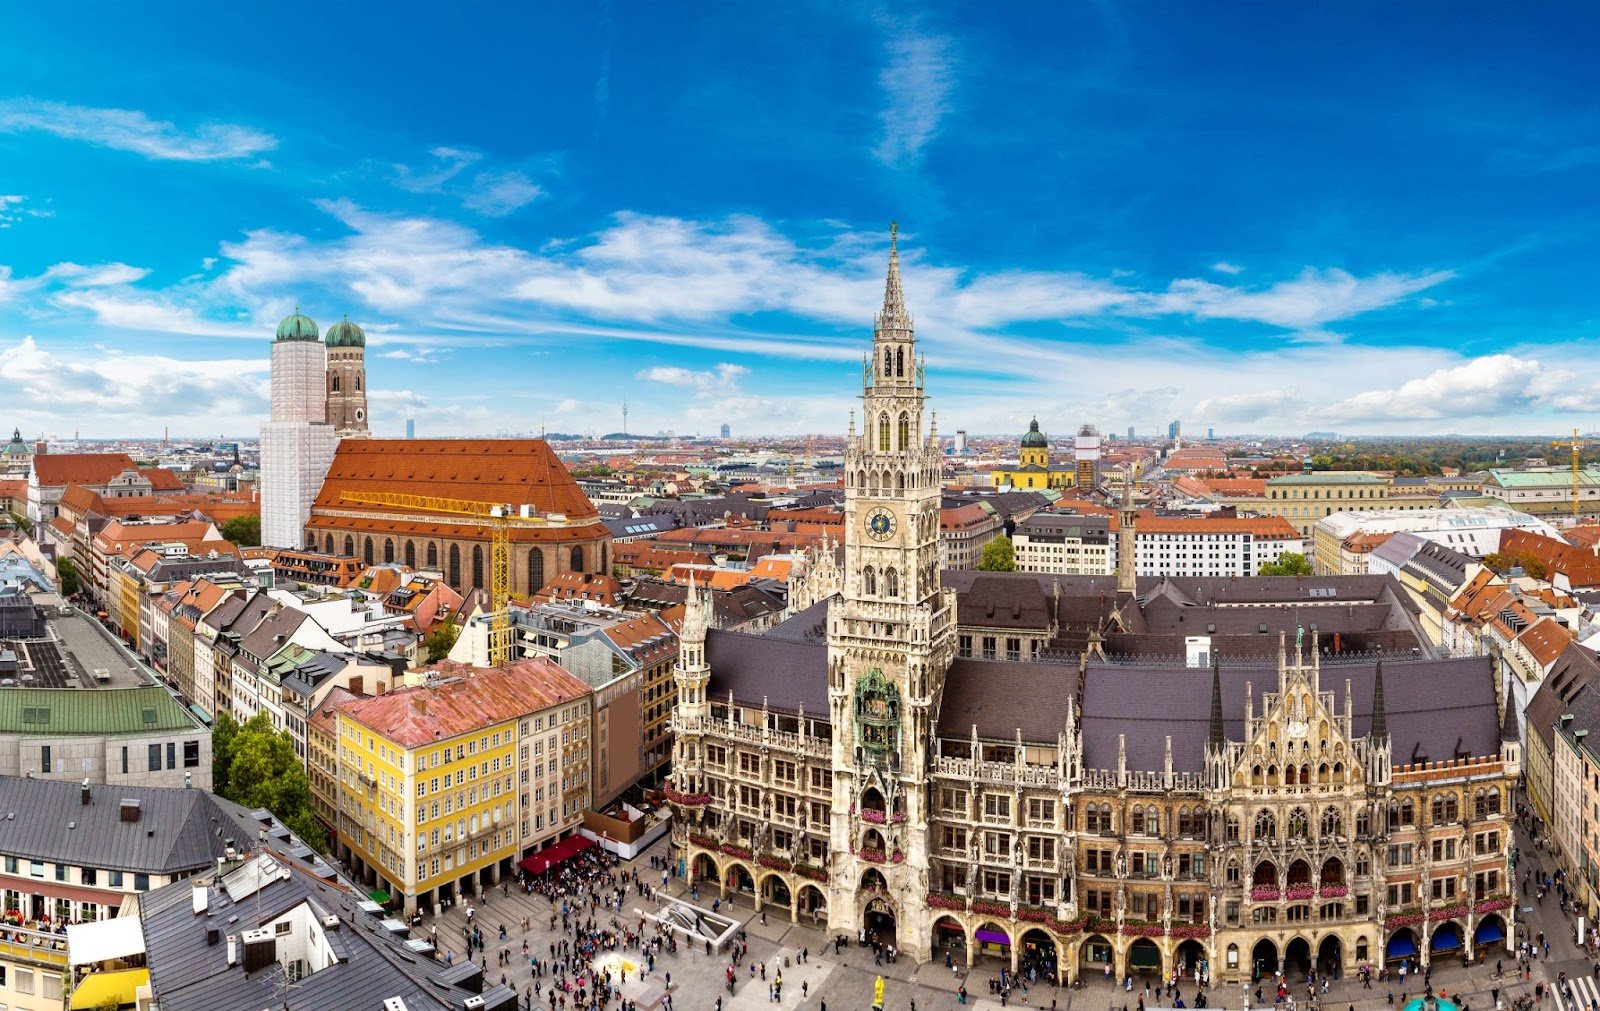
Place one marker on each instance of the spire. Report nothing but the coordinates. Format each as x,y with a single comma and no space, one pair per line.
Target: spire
894,315
1215,741
1380,718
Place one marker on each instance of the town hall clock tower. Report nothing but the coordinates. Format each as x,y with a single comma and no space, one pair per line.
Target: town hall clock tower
891,638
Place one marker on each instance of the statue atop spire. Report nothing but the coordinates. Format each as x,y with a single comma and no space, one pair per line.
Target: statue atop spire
894,315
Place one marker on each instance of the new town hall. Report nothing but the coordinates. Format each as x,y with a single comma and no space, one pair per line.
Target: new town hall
992,764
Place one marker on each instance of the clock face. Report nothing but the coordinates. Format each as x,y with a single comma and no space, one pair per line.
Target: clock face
880,524
360,414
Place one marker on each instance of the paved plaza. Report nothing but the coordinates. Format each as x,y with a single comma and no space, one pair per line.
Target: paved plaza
844,982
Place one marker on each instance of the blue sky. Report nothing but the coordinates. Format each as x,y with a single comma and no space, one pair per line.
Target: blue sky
1264,217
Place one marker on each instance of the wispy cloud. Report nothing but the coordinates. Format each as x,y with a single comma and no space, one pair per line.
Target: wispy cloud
490,193
1224,267
1311,300
131,130
916,82
14,207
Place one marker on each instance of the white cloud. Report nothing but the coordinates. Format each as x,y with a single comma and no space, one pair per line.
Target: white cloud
98,276
12,210
724,378
1486,387
499,193
1250,406
131,130
132,393
1224,267
916,83
1309,301
448,162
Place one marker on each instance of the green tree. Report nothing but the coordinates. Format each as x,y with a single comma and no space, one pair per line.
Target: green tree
442,639
998,556
1290,563
224,732
256,766
244,531
67,575
23,522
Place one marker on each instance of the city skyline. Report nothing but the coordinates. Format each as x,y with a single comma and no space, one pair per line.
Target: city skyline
1268,220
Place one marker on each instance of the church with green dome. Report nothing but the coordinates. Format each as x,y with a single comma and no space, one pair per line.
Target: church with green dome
1034,469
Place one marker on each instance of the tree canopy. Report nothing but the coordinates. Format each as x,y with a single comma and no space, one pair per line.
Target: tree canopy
1289,563
256,766
245,531
67,573
442,639
998,556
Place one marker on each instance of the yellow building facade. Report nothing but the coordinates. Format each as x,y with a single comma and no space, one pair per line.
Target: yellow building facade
431,801
1034,469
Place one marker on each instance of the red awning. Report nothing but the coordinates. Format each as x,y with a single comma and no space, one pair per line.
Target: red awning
556,853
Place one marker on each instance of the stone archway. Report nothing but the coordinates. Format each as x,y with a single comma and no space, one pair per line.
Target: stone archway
1297,958
1491,929
1039,954
1144,958
1446,940
812,902
949,939
1191,955
704,868
775,891
878,918
1264,959
1097,954
1402,944
739,879
1330,956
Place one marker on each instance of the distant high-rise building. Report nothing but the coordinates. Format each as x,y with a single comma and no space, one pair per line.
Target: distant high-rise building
1086,455
297,444
726,431
411,428
1130,433
961,442
1174,430
1211,433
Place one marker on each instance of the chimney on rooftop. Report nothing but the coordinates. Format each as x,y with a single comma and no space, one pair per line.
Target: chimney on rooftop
86,794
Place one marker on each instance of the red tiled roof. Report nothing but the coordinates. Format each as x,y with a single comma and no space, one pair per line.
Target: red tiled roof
1581,567
964,517
603,589
1545,640
515,471
60,469
162,479
470,699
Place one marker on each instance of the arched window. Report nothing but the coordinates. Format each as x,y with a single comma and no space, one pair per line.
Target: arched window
411,554
433,555
1332,824
888,362
869,581
388,550
1266,825
477,566
604,568
900,361
1408,812
905,430
1299,826
358,382
1288,775
577,559
891,583
899,481
366,550
349,546
535,569
330,544
336,383
883,432
453,577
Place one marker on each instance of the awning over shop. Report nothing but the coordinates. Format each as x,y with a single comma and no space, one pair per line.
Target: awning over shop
1401,947
1488,933
1445,940
987,936
555,854
105,940
101,988
380,896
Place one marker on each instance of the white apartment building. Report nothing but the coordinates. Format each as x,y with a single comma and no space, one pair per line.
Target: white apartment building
1066,544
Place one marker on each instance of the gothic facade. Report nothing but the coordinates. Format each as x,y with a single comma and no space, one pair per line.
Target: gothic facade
859,766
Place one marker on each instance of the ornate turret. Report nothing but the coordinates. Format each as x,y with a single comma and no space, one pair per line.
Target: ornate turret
1217,771
1127,543
1379,756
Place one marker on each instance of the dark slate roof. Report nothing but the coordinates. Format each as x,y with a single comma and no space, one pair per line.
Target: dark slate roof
809,625
187,974
1570,676
179,831
786,673
995,600
1443,566
1003,697
1432,706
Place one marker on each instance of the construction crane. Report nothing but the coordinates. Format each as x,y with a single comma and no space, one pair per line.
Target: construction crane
1577,444
498,517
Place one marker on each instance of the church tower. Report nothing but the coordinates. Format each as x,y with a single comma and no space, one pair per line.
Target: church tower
347,379
891,638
